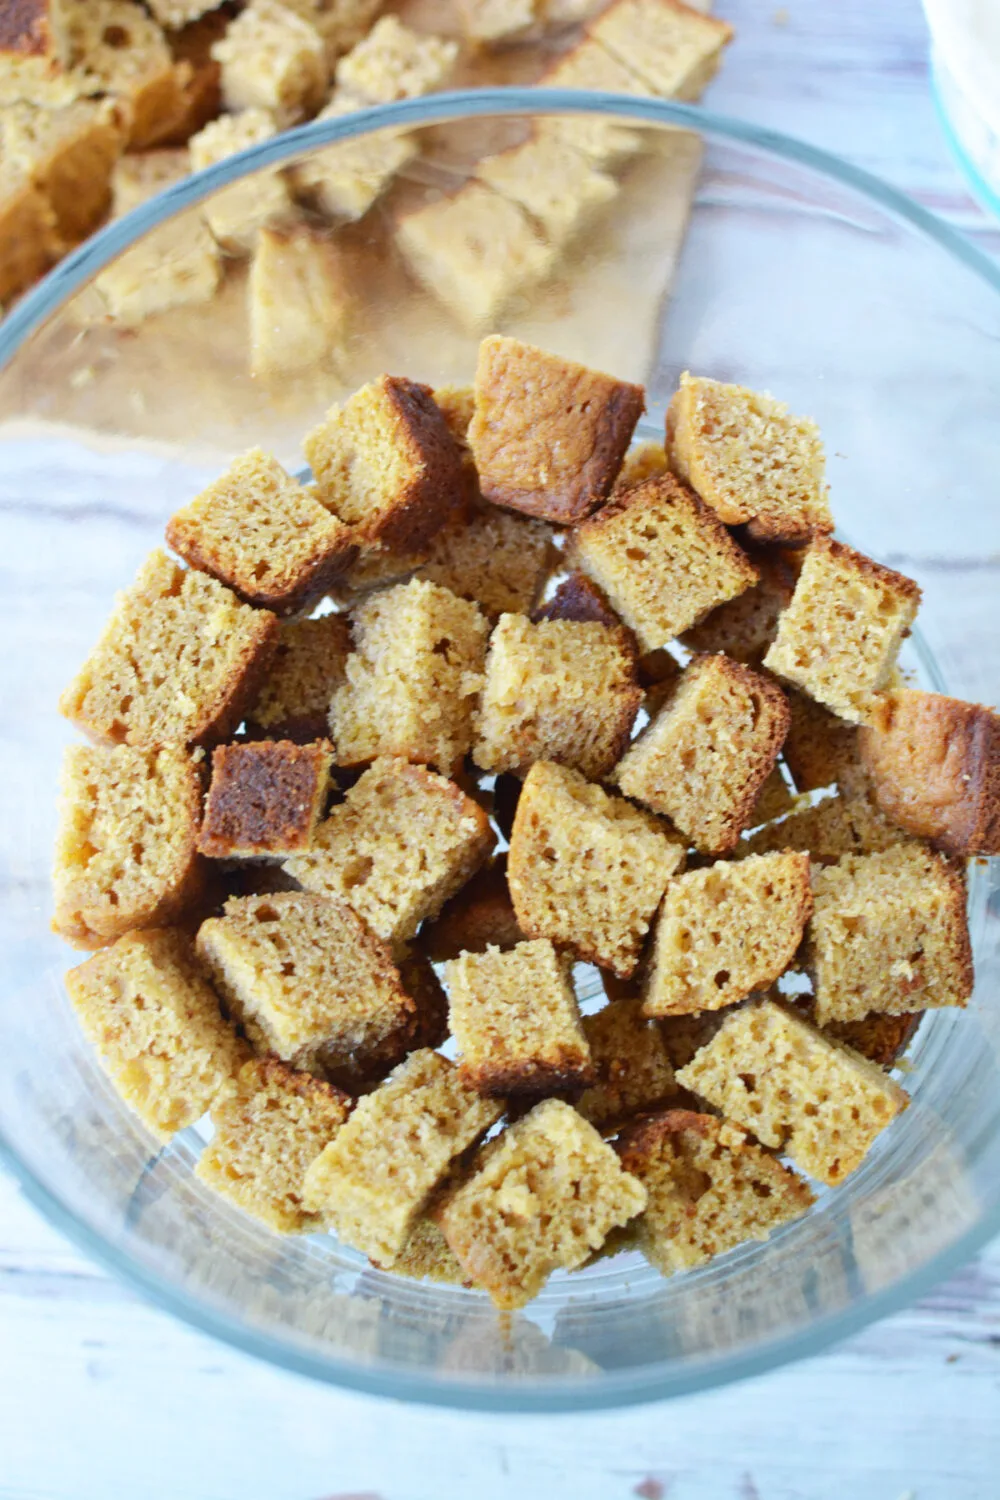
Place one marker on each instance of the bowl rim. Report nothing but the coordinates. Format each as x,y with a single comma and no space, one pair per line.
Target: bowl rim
609,1389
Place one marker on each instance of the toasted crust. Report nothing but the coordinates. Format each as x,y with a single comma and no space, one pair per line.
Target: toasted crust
577,598
561,1074
265,798
308,666
880,1038
935,768
744,627
548,435
25,29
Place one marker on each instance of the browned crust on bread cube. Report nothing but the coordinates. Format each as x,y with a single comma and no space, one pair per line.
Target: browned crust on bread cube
481,916
820,749
308,666
704,758
632,1067
662,557
263,534
266,798
387,463
577,598
880,1038
934,763
548,435
25,28
425,1026
744,627
849,823
515,1018
178,662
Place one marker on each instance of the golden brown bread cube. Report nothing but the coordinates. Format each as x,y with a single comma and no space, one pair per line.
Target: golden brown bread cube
879,1037
343,181
820,748
632,1068
154,1021
68,154
179,660
934,764
851,822
673,48
265,535
309,664
265,799
237,213
272,58
494,557
121,51
727,931
299,301
663,558
889,933
127,847
591,67
29,239
576,598
555,183
744,627
480,916
709,1187
394,62
548,435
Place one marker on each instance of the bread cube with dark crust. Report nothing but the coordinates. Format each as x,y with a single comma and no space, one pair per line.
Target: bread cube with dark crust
548,435
308,666
263,534
386,463
879,1037
178,662
744,627
633,1072
515,1019
662,557
266,798
481,916
934,764
850,822
577,598
820,749
30,28
710,1188
704,758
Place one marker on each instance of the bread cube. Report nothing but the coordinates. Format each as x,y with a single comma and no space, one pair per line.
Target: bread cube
413,678
704,758
393,62
576,598
265,799
122,51
401,843
498,559
839,638
374,1179
850,822
237,213
515,1019
309,664
880,1037
480,916
820,749
475,252
341,23
268,1132
587,870
304,976
709,1188
155,1023
263,534
673,48
343,181
589,66
773,1073
127,847
548,435
387,463
177,663
426,1256
744,627
889,933
271,58
633,1072
558,185
29,239
426,1025
492,21
663,558
68,154
774,800
934,764
299,301
559,690
643,461
542,1197
748,458
727,931
191,46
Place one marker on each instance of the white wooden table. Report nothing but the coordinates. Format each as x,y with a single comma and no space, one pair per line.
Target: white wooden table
102,1397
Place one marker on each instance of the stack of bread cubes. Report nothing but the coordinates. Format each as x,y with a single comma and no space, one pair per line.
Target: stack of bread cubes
380,761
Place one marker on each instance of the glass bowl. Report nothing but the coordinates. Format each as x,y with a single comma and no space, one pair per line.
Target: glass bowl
798,274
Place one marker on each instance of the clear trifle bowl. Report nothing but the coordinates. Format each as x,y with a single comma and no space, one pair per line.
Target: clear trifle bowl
796,274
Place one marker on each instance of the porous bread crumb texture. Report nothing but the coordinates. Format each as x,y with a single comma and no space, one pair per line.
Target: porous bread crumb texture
264,534
126,853
774,800
304,976
587,870
673,48
374,1179
558,690
497,559
663,558
237,213
426,1256
426,1025
386,463
268,1132
685,1035
309,664
177,663
480,916
744,627
516,1022
934,764
889,933
542,1197
839,638
726,932
704,758
403,841
413,678
341,23
795,1089
577,598
273,59
548,435
68,154
749,459
300,303
394,62
709,1188
115,47
556,184
155,1023
265,798
820,749
879,1037
849,822
632,1068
